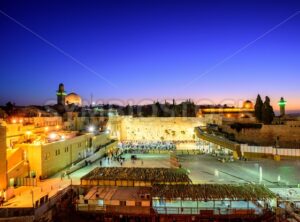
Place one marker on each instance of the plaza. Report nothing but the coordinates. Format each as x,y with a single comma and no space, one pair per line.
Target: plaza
206,169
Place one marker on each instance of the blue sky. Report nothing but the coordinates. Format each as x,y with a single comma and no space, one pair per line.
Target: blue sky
150,50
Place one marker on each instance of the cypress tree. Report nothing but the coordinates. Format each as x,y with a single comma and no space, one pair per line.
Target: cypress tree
267,112
258,108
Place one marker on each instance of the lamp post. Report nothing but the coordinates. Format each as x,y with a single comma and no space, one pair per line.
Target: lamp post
91,129
260,174
28,134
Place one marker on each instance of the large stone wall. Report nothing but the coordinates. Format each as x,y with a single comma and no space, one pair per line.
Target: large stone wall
289,135
154,128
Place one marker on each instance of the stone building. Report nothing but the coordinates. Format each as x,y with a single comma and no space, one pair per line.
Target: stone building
3,166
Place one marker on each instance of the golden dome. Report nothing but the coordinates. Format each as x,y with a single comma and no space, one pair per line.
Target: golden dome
248,105
73,98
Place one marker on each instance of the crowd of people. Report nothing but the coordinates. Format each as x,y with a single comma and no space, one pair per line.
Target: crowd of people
144,147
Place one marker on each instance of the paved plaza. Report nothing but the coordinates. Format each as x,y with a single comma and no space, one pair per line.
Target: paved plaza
143,160
207,169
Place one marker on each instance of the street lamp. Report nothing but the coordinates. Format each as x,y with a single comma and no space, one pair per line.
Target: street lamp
28,134
260,174
91,129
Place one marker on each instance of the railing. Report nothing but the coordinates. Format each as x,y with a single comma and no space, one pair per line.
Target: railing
38,212
218,140
113,209
89,208
205,211
16,212
26,181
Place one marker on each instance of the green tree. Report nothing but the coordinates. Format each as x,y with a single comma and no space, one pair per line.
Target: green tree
258,108
267,112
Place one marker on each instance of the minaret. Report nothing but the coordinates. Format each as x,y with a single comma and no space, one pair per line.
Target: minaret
61,95
281,104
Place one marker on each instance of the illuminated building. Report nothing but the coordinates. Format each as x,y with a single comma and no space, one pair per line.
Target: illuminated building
63,149
3,166
246,110
64,99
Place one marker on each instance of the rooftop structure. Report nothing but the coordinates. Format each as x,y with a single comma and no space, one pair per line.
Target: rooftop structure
247,192
178,201
246,110
117,176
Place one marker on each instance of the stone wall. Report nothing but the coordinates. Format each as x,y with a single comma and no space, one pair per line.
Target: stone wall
289,135
155,128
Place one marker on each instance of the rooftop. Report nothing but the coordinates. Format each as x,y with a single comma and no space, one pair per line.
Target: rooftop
155,175
205,192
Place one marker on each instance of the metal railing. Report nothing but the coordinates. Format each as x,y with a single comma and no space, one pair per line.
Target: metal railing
205,211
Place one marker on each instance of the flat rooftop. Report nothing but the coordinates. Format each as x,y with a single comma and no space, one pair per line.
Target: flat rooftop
205,192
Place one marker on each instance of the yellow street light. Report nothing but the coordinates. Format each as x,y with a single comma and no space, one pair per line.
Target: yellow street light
53,136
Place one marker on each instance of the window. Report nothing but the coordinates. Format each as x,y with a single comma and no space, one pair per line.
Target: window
138,204
66,149
47,156
100,203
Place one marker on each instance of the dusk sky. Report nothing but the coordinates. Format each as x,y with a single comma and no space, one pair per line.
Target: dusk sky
142,50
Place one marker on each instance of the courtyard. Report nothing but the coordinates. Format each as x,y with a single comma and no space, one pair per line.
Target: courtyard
207,169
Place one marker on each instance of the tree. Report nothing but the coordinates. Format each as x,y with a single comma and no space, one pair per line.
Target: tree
158,110
258,108
267,112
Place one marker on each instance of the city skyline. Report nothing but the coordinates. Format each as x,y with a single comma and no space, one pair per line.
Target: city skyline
150,50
